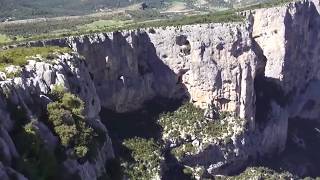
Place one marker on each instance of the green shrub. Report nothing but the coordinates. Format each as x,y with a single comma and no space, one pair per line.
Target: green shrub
73,104
57,92
66,117
147,157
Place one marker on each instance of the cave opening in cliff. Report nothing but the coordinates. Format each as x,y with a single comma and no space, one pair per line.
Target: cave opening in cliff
142,124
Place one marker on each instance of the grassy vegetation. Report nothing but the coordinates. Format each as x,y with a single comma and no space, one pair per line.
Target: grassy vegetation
102,24
268,4
147,158
4,38
19,56
50,8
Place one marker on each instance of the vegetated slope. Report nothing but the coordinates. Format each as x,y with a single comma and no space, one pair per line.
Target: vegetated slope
22,9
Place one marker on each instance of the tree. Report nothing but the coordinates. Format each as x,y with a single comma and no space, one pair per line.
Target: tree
66,117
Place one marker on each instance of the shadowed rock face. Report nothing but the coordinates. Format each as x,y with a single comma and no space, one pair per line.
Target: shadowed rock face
127,71
288,37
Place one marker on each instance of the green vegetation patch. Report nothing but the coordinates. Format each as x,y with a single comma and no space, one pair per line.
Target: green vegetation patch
218,17
187,121
261,173
101,24
130,19
273,3
180,151
18,56
66,116
140,19
4,38
147,158
36,161
190,132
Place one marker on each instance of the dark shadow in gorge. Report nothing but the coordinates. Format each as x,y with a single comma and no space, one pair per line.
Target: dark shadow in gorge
267,90
301,156
143,123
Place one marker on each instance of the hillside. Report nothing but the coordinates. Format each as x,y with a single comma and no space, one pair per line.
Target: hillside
22,9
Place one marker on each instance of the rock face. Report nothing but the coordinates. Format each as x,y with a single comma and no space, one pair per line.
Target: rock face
131,67
265,70
288,37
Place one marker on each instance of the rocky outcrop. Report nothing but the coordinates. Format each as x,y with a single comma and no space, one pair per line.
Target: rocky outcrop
24,99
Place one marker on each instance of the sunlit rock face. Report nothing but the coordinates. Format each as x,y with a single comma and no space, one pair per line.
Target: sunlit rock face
212,61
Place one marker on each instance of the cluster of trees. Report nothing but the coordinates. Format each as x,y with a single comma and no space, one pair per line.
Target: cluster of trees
262,173
147,158
189,121
187,118
68,121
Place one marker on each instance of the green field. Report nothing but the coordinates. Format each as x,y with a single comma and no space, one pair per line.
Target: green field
103,24
18,56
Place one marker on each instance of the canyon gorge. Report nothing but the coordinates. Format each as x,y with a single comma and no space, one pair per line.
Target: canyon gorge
263,73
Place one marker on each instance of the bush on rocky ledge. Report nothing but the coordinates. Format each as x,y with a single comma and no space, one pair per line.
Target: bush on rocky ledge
66,116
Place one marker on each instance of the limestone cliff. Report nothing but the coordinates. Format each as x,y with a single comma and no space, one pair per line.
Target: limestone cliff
264,70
